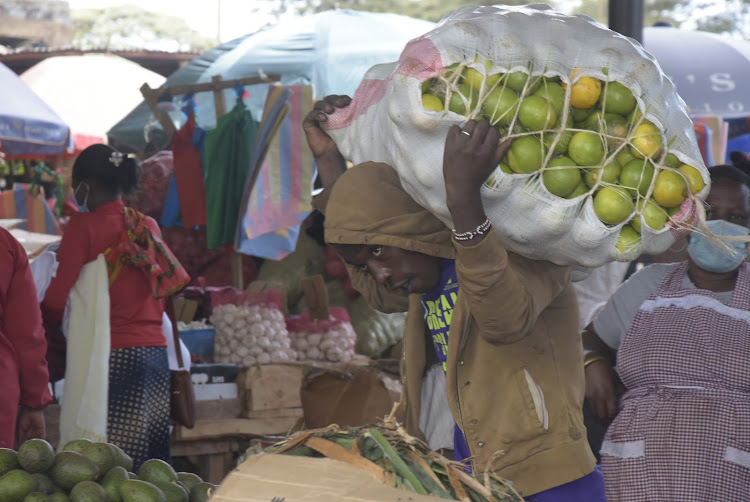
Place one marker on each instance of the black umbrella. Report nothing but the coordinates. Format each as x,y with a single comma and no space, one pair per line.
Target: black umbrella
711,73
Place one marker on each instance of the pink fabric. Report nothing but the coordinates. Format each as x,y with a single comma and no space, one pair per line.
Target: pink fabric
420,59
691,437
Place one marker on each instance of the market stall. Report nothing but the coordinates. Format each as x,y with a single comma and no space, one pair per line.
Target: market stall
89,92
283,366
709,72
28,125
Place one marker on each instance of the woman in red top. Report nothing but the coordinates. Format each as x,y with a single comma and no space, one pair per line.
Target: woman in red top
142,272
23,368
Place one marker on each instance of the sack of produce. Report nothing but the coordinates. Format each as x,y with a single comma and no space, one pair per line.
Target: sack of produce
330,339
604,163
321,333
250,328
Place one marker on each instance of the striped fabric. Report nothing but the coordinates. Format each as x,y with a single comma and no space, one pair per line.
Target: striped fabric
281,196
19,203
683,429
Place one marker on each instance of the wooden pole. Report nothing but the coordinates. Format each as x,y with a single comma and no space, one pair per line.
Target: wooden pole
151,97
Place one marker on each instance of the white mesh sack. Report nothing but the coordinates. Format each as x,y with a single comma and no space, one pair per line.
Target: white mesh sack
478,56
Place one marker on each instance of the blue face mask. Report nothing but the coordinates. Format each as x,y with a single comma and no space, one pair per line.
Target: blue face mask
713,259
81,205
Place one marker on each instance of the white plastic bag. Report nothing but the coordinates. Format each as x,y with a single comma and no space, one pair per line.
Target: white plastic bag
386,122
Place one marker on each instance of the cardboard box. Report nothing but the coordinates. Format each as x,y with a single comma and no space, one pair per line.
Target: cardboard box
272,386
267,477
361,397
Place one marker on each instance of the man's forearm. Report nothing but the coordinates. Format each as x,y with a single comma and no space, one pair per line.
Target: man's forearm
330,167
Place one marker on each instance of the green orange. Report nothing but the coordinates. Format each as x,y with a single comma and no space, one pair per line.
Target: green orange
627,239
432,102
500,106
637,174
586,149
526,154
618,99
561,176
613,205
536,113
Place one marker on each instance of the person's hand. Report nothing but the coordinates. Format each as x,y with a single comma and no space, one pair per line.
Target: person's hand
30,424
603,389
471,155
329,160
319,141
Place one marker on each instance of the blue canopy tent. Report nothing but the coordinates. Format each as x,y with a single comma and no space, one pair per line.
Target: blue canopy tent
331,50
28,126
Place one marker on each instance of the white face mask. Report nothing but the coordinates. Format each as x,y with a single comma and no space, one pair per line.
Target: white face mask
713,259
82,205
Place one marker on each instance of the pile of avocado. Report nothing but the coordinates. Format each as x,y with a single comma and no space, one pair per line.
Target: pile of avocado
87,471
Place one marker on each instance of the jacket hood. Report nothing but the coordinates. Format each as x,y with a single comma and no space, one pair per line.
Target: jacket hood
368,206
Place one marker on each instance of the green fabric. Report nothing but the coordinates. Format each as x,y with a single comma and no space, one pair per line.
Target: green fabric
226,158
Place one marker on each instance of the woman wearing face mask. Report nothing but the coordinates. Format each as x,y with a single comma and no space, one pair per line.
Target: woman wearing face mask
142,271
679,395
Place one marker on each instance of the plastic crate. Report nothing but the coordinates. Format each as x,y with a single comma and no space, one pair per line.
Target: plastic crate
199,341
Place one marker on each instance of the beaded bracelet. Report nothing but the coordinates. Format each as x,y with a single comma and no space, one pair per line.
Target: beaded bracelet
467,236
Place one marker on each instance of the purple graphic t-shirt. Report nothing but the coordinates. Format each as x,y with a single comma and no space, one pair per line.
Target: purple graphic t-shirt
437,307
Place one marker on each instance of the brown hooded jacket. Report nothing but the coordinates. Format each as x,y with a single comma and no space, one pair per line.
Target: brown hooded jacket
514,378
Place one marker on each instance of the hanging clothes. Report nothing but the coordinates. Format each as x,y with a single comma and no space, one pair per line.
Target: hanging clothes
227,155
188,171
280,198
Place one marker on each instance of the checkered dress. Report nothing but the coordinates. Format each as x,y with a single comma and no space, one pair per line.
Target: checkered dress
683,429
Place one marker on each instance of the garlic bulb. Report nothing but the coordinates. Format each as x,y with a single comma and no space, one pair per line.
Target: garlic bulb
248,335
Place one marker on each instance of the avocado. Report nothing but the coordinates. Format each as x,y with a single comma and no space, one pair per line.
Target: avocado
8,460
156,470
123,459
76,445
133,475
103,455
188,479
36,497
15,485
201,492
88,491
36,455
43,483
134,490
58,497
112,481
70,468
172,491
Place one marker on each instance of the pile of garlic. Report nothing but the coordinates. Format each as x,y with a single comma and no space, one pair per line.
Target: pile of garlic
248,335
193,325
323,340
